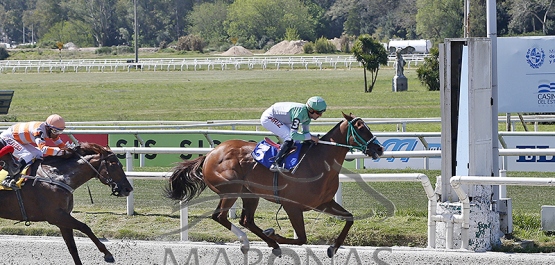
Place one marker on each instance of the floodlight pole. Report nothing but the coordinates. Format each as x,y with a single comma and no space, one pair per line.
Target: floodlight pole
136,35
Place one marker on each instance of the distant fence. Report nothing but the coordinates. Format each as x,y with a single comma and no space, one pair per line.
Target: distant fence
184,64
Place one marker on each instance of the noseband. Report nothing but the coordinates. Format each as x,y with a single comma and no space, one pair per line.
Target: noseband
103,179
362,145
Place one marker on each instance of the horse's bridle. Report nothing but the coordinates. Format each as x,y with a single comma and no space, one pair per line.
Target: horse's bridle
103,179
351,132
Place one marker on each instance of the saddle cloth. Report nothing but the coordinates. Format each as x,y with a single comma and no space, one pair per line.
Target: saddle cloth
266,151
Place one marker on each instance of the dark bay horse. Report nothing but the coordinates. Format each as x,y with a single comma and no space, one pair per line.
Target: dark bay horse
49,195
231,172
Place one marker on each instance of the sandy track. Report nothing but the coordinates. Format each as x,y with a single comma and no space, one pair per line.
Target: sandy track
52,250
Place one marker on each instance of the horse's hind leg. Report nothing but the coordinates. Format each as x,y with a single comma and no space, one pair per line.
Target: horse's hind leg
220,216
65,221
337,210
247,220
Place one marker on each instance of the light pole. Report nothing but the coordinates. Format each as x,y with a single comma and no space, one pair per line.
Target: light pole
136,34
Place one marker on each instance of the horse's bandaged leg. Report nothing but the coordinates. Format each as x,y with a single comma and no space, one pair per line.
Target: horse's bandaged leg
241,235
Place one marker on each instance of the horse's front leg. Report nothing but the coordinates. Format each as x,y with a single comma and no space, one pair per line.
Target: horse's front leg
333,208
67,235
64,220
297,221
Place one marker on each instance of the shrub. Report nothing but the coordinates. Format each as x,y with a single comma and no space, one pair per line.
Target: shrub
48,44
428,72
345,43
322,45
191,43
308,47
292,34
4,53
103,50
125,49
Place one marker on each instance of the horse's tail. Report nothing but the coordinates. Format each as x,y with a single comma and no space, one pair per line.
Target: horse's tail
186,181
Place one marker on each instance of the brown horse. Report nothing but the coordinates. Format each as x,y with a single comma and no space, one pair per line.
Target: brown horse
231,172
49,195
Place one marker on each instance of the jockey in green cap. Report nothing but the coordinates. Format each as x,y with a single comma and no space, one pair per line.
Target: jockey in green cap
290,122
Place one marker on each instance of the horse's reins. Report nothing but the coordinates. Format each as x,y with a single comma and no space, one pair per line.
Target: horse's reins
351,132
99,176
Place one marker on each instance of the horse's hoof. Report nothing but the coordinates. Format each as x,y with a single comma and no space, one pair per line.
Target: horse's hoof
245,249
331,251
277,252
109,259
269,232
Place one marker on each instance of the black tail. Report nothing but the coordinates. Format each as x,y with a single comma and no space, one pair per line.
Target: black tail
186,181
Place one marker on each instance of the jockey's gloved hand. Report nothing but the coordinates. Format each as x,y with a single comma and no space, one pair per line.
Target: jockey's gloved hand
70,145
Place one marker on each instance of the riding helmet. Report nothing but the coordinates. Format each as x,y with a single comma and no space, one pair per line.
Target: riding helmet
316,103
56,121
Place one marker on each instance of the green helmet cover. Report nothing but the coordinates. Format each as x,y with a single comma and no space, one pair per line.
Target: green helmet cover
316,103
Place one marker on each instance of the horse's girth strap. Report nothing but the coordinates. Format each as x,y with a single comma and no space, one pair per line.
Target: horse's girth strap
276,191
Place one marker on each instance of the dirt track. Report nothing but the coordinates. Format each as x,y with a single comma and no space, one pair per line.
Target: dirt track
52,250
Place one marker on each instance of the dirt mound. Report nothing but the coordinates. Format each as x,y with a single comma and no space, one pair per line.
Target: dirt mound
287,47
237,51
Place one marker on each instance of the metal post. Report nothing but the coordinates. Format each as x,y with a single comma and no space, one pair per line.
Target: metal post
184,222
136,35
130,199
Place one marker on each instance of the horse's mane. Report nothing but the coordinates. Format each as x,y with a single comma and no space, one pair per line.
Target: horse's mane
91,148
326,137
349,117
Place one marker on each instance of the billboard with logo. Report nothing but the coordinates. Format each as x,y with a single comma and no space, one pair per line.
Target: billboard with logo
526,74
406,144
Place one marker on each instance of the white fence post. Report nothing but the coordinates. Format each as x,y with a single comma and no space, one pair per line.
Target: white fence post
130,198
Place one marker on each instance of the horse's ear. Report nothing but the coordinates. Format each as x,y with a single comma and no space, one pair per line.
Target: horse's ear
347,117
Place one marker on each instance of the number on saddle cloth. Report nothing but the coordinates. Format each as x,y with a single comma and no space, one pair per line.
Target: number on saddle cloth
266,151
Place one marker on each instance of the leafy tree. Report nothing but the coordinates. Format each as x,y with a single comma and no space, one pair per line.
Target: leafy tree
72,31
439,19
371,54
252,20
428,72
207,20
48,13
477,19
526,14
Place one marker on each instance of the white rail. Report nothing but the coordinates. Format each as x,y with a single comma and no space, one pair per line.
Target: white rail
178,64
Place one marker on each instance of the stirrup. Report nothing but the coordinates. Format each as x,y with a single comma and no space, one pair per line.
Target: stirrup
10,183
275,168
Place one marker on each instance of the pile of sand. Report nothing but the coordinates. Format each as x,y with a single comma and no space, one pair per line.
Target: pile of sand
287,47
237,51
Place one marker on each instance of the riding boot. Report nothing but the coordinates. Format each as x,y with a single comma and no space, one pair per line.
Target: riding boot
283,152
32,170
13,175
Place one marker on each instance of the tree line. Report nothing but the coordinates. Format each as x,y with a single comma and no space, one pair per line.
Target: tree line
258,24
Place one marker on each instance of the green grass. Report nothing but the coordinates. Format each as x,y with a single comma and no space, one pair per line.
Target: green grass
244,94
